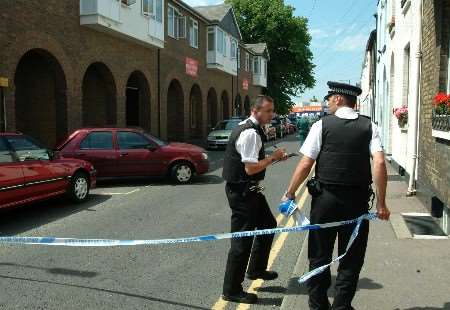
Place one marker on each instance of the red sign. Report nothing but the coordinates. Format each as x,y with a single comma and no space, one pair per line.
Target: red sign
313,108
191,67
245,84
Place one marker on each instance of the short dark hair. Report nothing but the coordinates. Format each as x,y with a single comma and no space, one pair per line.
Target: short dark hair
349,100
259,101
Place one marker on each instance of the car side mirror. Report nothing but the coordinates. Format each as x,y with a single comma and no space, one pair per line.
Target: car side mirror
151,147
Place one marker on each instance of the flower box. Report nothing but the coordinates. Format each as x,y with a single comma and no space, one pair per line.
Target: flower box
441,122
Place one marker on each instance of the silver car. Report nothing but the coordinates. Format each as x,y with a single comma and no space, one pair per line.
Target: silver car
219,136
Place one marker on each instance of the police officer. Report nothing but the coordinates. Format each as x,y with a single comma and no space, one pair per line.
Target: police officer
244,167
342,145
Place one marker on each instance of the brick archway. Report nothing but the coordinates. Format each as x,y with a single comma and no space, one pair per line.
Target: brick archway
195,112
99,96
212,108
40,97
138,101
225,103
175,111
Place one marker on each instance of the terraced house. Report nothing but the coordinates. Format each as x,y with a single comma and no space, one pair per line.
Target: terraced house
163,65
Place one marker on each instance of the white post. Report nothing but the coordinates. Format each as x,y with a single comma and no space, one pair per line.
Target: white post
413,108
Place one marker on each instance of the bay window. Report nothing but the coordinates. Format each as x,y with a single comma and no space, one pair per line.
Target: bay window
153,9
220,41
256,65
211,39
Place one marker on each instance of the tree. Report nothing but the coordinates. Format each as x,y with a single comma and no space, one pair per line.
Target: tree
290,69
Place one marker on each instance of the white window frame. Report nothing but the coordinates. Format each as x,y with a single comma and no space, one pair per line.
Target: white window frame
238,56
158,16
171,21
193,32
181,25
211,46
151,8
256,65
225,40
233,49
220,40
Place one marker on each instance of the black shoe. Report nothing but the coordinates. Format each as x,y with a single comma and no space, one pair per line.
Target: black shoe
242,298
265,275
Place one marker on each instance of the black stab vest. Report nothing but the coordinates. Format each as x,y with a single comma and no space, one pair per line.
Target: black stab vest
344,158
233,167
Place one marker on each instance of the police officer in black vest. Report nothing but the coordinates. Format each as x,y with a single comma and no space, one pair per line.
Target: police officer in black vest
244,167
342,145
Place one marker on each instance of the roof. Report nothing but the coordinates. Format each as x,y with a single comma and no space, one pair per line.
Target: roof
214,13
258,48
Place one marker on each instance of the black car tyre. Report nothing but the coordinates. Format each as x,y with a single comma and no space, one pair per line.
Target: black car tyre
79,187
181,173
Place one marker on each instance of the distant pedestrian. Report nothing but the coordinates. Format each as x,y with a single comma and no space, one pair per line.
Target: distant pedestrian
244,167
341,144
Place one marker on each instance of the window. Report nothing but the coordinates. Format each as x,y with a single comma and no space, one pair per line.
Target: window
247,61
211,39
406,69
98,140
128,2
147,7
256,65
225,37
5,154
131,141
220,41
181,26
28,149
238,53
233,49
193,33
158,10
171,21
265,67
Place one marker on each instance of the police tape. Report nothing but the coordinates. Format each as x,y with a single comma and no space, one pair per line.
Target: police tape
74,242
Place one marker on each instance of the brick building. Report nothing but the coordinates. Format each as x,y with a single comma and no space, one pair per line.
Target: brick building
434,145
162,65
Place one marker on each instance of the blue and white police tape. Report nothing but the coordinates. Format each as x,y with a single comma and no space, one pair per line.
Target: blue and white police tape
74,242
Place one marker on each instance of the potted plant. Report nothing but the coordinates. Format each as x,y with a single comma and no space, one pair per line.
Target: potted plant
441,112
402,116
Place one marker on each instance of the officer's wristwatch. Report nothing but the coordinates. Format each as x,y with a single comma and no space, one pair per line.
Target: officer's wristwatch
289,195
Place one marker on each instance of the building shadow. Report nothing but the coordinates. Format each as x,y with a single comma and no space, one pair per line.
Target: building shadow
14,221
56,271
102,290
395,178
446,306
269,301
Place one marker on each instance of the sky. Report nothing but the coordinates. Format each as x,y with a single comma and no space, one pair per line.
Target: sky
339,30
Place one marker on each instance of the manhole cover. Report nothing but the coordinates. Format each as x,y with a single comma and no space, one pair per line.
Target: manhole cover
422,224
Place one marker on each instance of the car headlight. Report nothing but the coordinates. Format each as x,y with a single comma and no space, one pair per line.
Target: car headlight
205,156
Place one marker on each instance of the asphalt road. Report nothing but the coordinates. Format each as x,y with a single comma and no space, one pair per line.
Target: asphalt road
182,276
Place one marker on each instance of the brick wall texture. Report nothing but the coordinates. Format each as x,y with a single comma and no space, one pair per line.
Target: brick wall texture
434,154
64,76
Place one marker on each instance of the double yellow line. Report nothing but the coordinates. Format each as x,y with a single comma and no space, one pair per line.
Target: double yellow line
276,248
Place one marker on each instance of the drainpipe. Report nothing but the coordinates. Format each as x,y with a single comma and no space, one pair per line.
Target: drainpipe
159,90
414,112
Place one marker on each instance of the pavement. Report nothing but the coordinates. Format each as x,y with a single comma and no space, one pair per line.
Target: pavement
400,272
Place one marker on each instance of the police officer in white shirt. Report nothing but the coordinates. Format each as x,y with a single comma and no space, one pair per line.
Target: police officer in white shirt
244,167
341,145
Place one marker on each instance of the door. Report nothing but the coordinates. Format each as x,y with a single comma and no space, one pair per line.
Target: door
136,154
40,180
98,149
11,177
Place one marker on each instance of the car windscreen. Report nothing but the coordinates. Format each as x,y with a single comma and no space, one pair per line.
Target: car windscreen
227,125
27,148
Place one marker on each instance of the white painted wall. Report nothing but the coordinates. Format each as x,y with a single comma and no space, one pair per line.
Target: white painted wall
365,102
126,21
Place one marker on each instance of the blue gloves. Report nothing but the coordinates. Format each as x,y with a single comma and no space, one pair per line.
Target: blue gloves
287,207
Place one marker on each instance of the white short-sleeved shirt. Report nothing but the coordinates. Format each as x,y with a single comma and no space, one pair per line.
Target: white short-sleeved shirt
249,143
313,142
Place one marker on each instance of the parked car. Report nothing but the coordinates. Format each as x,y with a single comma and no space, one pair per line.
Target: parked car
278,125
29,172
220,134
127,152
290,127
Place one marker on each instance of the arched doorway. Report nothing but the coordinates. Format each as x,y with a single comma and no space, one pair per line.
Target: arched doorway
212,108
195,109
238,105
175,112
225,105
40,97
138,101
99,96
247,106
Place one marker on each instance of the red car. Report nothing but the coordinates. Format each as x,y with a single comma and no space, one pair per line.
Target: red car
124,152
29,172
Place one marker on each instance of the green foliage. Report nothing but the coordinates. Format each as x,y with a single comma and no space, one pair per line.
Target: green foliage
290,69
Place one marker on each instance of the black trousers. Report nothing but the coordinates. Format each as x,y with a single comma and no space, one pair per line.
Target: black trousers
248,212
336,204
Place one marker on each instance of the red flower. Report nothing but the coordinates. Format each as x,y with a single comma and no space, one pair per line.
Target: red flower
441,98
